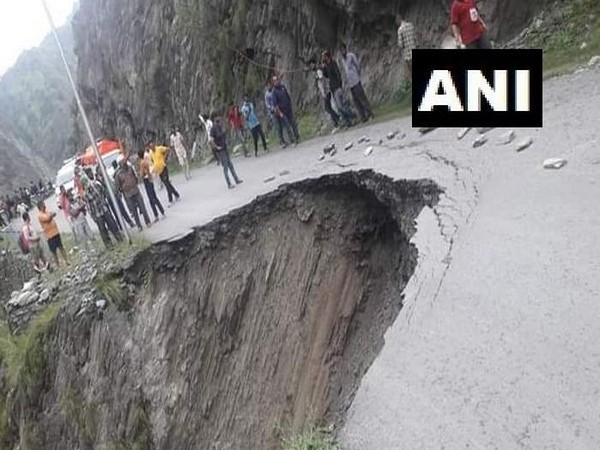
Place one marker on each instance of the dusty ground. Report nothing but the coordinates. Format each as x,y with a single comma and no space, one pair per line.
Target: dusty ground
496,344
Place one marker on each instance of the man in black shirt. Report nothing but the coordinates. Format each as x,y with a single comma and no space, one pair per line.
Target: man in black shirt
331,70
218,141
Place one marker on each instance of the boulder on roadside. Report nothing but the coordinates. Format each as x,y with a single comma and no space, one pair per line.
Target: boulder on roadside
480,141
462,133
329,148
523,144
555,163
507,138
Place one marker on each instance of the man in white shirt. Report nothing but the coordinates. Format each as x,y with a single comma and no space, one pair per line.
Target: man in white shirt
179,147
208,124
353,73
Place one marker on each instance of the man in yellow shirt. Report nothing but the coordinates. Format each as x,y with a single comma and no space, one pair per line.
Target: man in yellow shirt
51,232
160,155
146,175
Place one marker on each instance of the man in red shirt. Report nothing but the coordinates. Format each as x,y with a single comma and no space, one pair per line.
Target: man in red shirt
236,122
468,27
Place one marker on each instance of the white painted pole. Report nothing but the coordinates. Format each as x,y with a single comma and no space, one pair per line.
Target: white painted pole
86,122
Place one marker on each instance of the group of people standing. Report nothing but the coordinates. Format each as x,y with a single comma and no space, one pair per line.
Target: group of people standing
330,85
90,199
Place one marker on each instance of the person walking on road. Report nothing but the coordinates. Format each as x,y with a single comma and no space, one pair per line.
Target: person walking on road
51,233
126,182
159,158
406,41
178,146
219,143
253,124
353,74
468,27
146,175
97,205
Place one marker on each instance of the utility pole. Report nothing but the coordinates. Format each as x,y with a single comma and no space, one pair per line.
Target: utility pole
86,123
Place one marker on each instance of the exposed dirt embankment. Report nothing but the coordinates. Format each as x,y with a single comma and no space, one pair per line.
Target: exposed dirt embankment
263,320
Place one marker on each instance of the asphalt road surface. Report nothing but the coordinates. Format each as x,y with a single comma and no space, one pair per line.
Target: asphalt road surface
497,345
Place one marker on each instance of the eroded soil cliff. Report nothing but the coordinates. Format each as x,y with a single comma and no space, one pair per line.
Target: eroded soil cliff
254,325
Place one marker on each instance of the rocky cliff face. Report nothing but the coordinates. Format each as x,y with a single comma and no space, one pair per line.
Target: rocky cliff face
146,65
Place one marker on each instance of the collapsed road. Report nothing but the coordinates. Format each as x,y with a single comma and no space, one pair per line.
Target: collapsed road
492,345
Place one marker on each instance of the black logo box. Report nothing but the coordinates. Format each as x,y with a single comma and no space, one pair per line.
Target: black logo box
458,62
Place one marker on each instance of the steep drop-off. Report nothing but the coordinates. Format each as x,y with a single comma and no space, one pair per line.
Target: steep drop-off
147,65
264,320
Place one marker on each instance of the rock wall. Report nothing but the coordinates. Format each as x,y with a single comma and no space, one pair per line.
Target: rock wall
147,65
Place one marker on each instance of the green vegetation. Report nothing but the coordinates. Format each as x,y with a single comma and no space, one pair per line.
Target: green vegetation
24,356
229,37
5,429
24,362
81,413
576,22
399,106
109,285
109,288
123,250
142,431
314,438
308,125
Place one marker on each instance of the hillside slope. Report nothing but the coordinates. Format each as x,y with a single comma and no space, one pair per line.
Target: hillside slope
35,107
